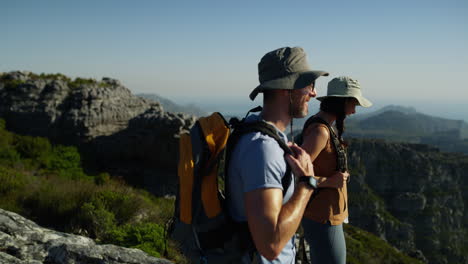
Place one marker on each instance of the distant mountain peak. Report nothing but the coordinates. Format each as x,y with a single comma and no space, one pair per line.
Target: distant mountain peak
398,108
171,106
407,110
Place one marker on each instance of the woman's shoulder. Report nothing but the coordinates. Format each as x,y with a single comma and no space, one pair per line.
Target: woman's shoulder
318,129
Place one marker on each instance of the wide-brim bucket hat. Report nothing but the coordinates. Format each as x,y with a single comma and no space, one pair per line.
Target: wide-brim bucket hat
346,87
285,68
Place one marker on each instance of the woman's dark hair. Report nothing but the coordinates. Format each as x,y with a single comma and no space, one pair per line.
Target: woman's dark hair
336,106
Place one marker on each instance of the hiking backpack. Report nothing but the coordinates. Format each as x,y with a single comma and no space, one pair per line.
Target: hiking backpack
201,224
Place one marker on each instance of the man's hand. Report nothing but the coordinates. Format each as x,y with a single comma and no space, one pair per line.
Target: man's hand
300,163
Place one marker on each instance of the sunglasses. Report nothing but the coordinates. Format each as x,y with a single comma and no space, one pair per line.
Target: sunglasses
310,88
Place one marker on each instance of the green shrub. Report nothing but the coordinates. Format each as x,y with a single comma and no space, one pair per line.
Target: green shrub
102,178
37,153
56,202
64,158
46,183
13,84
110,213
79,82
11,180
37,149
66,162
13,184
9,156
56,76
364,247
148,237
165,209
124,205
96,220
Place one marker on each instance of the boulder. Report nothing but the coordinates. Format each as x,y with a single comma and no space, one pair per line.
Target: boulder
23,241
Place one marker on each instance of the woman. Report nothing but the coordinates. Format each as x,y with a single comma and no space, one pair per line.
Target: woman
328,209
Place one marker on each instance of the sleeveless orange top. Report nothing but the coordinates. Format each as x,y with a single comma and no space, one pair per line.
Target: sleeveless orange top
329,204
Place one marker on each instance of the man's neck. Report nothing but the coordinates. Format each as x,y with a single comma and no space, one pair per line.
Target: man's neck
278,116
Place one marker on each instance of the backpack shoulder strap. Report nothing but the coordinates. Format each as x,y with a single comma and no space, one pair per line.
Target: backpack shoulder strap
270,131
264,128
316,119
242,128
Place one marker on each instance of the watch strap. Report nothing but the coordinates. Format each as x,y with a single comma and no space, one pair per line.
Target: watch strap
307,179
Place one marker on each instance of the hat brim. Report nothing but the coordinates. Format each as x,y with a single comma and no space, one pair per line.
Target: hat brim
362,101
289,82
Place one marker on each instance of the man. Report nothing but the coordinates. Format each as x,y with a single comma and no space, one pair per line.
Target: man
258,165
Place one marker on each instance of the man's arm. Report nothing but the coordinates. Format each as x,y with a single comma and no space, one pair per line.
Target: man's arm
271,223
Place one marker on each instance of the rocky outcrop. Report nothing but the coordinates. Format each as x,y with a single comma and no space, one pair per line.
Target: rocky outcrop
413,196
22,241
116,131
70,111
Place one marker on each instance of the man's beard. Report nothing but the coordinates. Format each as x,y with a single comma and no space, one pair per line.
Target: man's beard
299,108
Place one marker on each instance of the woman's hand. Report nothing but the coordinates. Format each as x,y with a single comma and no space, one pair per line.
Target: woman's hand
337,180
300,162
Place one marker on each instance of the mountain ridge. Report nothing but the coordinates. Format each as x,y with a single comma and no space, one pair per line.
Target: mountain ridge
171,106
398,108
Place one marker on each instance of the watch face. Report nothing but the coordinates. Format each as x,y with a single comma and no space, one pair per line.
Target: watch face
313,182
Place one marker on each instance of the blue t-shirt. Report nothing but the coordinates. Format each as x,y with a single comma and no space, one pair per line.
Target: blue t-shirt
257,161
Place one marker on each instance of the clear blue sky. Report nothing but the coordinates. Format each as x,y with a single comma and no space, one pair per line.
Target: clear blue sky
402,52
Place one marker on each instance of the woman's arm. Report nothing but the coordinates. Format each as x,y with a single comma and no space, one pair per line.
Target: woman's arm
337,180
315,139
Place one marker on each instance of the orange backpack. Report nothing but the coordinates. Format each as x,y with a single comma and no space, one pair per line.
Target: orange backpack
201,223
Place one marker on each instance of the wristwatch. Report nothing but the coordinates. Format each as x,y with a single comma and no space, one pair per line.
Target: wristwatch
310,180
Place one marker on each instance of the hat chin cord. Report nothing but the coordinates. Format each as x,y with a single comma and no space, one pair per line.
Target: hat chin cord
292,117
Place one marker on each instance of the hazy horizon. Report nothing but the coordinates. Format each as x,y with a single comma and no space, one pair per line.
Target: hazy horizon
239,106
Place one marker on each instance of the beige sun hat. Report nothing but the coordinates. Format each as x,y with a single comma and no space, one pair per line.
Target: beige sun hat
346,87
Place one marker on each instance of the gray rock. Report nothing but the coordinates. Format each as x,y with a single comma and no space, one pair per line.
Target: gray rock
22,241
111,81
17,75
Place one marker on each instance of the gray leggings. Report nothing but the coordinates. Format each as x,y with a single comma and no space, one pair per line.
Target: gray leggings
327,242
